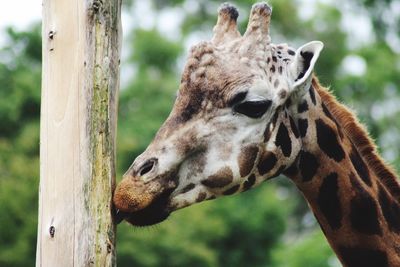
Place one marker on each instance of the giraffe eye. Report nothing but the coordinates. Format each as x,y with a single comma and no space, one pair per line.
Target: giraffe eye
253,109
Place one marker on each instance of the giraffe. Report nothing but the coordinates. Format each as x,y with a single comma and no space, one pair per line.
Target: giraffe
249,110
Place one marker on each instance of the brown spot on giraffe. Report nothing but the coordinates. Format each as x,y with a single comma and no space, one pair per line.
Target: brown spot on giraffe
267,163
232,190
249,182
390,209
308,165
220,179
283,94
246,159
276,84
303,125
328,201
294,127
353,256
302,107
283,140
202,196
360,166
188,188
328,141
363,210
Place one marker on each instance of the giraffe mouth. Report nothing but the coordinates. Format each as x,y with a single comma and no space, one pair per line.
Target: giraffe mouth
154,213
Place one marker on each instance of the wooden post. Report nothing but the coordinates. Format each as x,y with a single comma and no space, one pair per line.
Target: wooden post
81,55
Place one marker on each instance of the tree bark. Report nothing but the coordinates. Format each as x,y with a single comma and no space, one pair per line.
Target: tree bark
81,55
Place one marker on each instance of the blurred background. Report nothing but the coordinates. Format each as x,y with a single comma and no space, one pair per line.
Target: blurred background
268,226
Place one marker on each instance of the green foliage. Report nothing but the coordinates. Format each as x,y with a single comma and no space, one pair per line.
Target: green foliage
20,71
311,250
256,228
139,119
151,50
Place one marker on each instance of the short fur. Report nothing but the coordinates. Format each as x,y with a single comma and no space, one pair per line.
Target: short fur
360,138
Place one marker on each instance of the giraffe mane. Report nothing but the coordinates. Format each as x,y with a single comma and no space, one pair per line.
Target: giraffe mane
359,136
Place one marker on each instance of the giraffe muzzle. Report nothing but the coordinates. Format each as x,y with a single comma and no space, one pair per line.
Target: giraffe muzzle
147,213
144,202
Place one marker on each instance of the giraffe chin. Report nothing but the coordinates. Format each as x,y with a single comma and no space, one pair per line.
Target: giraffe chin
154,213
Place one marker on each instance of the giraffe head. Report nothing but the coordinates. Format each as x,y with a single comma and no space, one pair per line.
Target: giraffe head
230,127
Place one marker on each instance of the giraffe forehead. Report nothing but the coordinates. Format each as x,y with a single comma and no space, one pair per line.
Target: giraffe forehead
219,67
209,79
213,75
213,68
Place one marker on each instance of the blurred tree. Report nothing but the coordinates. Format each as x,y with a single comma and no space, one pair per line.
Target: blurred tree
20,70
310,250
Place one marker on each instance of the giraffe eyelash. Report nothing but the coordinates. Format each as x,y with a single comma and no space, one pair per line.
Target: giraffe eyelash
239,97
253,109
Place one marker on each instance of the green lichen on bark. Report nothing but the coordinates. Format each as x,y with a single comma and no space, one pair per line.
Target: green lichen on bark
104,31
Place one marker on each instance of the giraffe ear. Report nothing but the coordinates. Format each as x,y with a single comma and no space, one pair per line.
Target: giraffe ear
302,66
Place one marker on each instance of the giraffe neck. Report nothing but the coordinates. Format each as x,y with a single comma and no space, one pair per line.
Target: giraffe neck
353,195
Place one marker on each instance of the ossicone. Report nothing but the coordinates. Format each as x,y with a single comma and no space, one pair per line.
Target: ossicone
226,28
260,17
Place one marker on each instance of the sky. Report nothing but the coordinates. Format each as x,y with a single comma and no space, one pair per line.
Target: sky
20,14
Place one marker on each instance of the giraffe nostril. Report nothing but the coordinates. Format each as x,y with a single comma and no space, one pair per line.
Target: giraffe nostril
147,166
